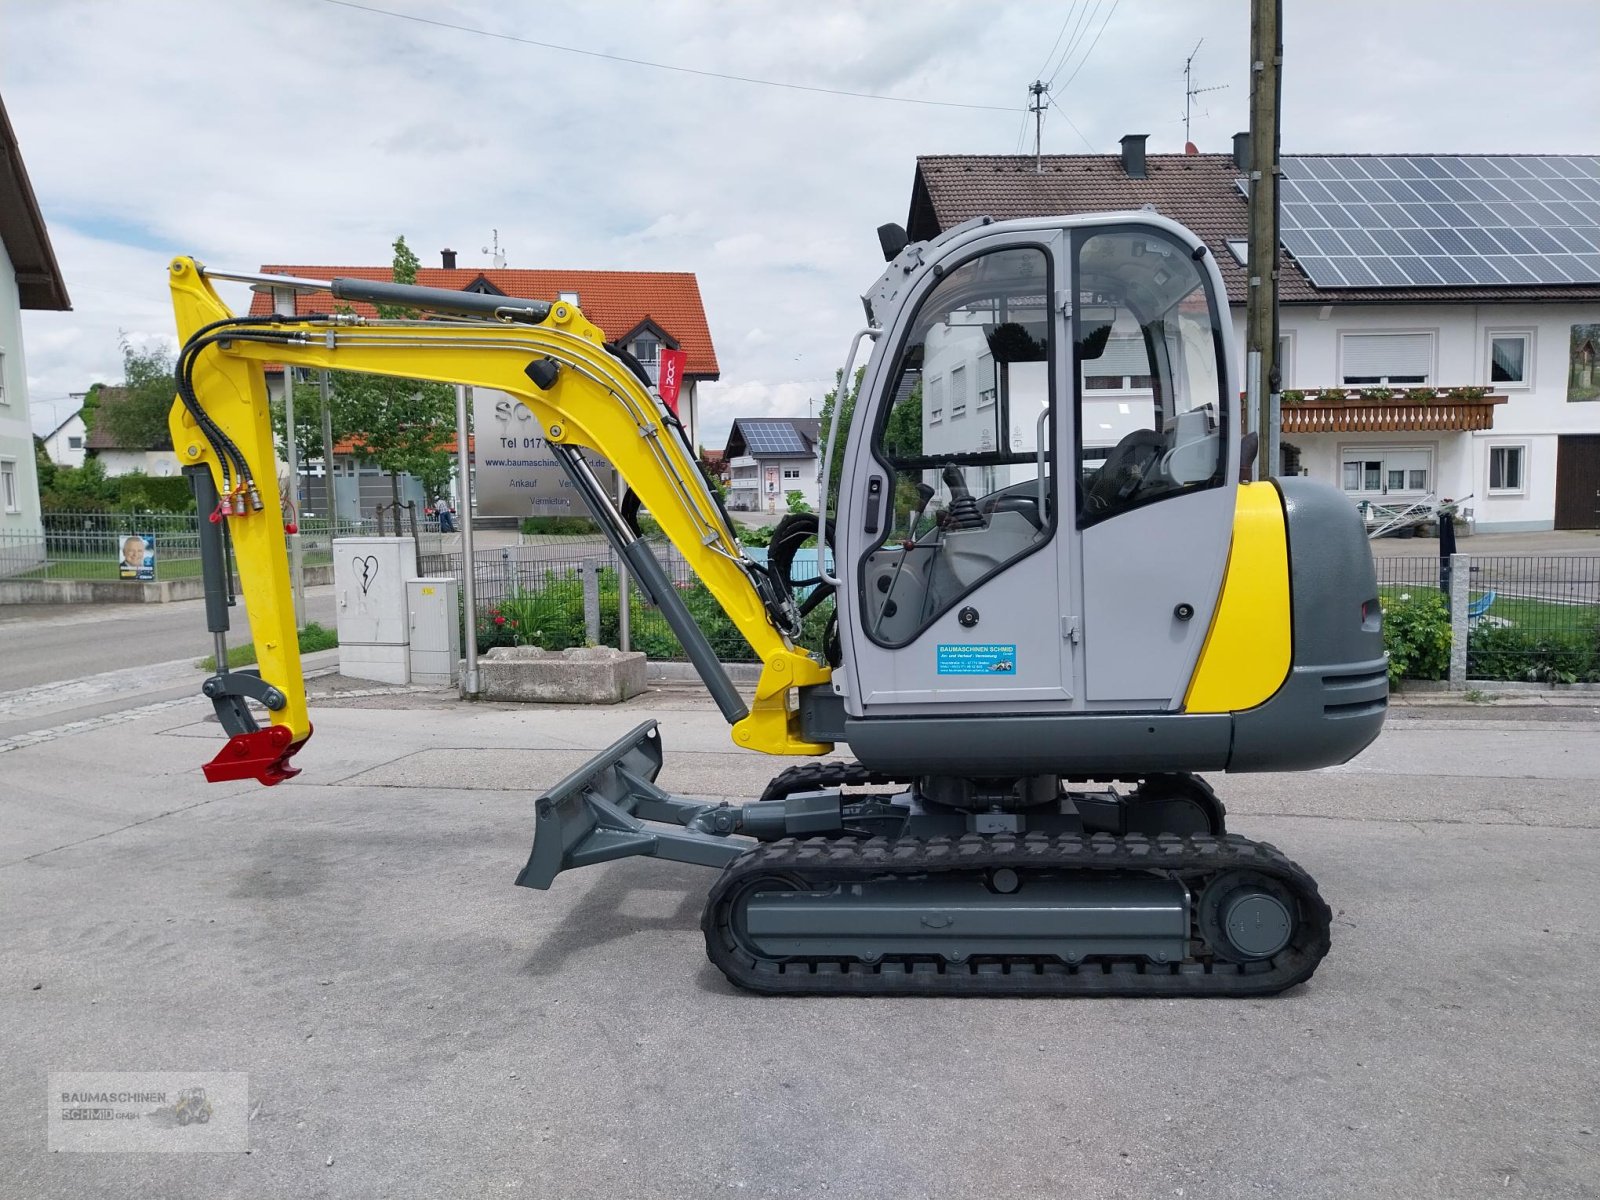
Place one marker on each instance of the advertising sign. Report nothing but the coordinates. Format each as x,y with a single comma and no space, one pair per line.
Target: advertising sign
670,378
514,472
136,556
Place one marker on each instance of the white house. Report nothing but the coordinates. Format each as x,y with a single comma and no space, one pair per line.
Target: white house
157,458
1440,314
29,278
65,441
769,457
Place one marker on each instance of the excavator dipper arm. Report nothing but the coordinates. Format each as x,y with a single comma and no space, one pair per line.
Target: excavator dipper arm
583,396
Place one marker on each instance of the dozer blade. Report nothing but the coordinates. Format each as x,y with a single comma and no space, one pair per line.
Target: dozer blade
610,808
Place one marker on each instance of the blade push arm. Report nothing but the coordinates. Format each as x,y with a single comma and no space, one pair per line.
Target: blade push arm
554,362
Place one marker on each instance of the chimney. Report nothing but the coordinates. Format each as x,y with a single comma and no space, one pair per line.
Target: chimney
1133,155
449,259
1241,151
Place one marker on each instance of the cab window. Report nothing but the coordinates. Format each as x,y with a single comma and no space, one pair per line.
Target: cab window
972,487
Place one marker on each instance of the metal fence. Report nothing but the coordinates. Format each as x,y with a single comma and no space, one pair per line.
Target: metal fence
564,592
1533,618
90,545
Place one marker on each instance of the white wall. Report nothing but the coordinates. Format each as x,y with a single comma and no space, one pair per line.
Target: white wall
1533,416
59,444
16,432
160,463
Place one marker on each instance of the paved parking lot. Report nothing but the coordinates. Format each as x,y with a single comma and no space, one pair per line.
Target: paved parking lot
414,1025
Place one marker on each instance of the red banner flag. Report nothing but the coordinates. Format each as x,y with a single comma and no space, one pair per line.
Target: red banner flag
670,378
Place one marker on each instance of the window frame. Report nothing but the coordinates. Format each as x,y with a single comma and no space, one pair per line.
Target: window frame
3,399
1428,379
1218,308
1527,335
885,406
1368,451
1524,455
10,486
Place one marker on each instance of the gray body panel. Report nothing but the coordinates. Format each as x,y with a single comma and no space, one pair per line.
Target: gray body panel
1330,707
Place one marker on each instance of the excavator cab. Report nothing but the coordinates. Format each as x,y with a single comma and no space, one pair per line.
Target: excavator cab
1055,605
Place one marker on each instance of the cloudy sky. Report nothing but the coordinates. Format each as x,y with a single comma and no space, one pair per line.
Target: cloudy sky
314,131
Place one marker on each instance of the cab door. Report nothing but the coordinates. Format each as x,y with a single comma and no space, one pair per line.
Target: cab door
955,533
1157,451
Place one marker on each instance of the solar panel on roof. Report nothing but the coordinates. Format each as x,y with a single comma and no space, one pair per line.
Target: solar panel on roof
1441,220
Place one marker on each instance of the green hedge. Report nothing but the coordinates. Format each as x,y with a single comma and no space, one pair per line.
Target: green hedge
1511,652
551,616
1416,633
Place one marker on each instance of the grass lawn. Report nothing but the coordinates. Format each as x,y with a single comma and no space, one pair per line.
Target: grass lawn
98,566
1548,615
312,638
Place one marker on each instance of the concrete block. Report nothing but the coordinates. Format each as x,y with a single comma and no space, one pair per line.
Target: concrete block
587,675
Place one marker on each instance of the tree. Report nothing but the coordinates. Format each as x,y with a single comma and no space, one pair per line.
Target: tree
139,421
402,425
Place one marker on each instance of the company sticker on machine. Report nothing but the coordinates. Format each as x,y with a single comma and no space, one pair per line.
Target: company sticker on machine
985,658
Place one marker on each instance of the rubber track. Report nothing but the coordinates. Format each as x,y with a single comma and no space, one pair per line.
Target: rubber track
814,776
1194,858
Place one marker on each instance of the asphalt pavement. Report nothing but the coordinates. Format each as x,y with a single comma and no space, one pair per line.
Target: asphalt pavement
413,1025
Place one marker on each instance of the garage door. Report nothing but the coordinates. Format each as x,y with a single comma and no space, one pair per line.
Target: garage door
1578,482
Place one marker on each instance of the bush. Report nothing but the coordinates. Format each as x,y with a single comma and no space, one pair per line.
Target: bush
559,525
1416,632
1512,652
761,535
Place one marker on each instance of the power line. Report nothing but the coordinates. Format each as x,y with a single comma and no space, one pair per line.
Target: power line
1092,45
1075,129
1088,15
1039,74
640,62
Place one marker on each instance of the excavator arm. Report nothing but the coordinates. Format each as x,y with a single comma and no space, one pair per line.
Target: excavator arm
583,395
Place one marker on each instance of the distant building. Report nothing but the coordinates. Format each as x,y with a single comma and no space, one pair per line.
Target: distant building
156,458
1475,277
29,278
767,458
66,443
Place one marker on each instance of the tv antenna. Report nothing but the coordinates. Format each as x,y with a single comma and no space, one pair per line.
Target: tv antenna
1190,91
499,259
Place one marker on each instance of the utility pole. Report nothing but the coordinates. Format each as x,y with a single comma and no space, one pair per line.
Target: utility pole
1262,378
283,304
1190,91
1036,89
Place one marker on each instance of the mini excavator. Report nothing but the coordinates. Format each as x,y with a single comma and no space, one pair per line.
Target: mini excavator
1054,606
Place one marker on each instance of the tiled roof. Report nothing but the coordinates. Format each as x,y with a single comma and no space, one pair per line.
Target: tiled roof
351,445
617,301
1196,190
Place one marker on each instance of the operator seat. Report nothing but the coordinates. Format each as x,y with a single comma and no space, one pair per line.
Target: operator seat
1131,461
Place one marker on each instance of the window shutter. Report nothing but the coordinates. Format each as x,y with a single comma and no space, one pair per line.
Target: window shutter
1388,354
1123,356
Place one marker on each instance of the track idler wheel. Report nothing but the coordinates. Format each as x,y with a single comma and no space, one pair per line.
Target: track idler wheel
1246,917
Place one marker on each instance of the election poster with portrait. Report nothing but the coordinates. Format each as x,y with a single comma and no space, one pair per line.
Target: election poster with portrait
137,556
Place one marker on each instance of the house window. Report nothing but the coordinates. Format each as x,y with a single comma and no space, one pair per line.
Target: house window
1511,360
568,298
1285,360
1506,468
1386,358
74,443
1124,366
1372,472
958,392
791,472
987,389
936,400
646,349
8,487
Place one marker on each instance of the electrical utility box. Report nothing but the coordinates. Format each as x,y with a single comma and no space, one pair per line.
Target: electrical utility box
369,583
434,613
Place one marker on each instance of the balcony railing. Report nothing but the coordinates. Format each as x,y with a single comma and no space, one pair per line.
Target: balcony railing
1386,410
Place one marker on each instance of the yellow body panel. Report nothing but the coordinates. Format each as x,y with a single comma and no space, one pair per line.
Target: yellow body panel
1249,648
595,403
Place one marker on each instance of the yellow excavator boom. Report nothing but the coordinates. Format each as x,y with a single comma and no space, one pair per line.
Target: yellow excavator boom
551,359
